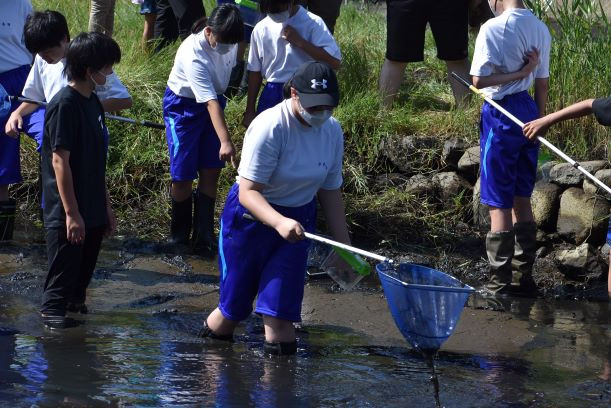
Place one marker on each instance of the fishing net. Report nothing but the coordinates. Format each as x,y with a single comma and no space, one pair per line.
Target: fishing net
425,303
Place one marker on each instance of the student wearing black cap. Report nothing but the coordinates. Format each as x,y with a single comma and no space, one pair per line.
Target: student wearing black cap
291,154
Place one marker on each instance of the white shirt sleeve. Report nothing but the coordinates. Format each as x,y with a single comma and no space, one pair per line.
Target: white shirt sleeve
542,70
334,178
33,88
201,82
260,151
486,55
322,37
254,59
113,89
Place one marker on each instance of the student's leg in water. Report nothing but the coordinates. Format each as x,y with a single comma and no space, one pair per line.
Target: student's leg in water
219,324
278,330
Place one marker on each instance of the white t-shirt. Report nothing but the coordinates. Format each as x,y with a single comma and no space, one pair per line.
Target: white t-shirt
294,161
199,72
13,53
501,45
275,57
45,80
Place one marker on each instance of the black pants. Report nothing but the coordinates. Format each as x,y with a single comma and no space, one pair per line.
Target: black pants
175,18
70,269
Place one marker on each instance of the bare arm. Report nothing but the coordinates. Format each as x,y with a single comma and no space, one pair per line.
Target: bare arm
255,79
539,127
116,104
75,226
317,53
332,205
14,124
532,58
251,198
227,152
541,90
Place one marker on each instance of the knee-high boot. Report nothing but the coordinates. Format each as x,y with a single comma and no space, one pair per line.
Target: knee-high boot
7,219
499,248
204,241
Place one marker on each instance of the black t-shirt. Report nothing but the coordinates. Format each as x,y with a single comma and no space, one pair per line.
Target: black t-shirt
76,124
602,110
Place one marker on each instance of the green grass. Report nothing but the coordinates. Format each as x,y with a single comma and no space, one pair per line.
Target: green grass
138,164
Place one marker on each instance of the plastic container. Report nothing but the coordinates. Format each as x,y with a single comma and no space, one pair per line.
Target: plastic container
347,277
424,302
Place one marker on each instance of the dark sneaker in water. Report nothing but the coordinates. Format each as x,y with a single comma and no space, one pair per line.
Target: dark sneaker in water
58,322
77,308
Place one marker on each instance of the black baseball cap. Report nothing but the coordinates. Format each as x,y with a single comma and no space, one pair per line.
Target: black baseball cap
316,84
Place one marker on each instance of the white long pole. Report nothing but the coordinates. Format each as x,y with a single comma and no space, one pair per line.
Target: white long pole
541,138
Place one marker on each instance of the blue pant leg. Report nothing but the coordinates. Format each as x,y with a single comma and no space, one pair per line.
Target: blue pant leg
270,96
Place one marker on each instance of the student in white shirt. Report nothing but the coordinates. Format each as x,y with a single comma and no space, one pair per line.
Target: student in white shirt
280,43
511,53
15,63
199,143
46,35
291,154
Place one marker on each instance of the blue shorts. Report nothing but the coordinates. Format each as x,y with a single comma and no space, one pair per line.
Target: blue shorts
609,233
192,141
33,126
270,96
255,261
148,7
10,168
508,160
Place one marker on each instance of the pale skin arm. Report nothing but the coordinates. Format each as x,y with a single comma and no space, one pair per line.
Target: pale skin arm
332,205
251,198
541,91
227,152
14,124
532,60
539,127
116,104
317,53
255,79
75,226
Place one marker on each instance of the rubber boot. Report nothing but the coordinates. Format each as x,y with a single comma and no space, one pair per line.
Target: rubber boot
180,226
204,241
7,219
499,248
280,348
524,258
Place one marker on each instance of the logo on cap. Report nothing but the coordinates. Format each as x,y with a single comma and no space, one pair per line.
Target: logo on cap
322,84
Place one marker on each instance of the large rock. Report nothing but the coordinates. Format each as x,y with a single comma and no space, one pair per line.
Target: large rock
566,175
421,185
451,184
544,202
453,149
481,215
544,170
468,165
583,262
406,152
590,187
582,217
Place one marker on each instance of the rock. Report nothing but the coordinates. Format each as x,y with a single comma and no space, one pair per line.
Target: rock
581,263
590,187
582,217
468,165
481,216
451,184
542,251
453,149
385,181
566,175
544,202
406,152
421,185
544,170
604,251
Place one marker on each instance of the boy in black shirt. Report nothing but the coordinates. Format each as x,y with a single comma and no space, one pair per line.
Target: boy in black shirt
77,211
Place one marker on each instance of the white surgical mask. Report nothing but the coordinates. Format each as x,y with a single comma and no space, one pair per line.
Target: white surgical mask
280,17
223,48
101,86
315,119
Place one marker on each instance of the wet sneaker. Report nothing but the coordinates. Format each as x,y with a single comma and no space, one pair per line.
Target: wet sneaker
206,331
77,308
484,298
58,322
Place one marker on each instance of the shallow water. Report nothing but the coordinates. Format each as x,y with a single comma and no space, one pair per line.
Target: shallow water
137,347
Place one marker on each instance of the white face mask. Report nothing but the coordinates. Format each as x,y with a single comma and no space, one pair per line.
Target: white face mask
223,48
105,80
279,17
315,119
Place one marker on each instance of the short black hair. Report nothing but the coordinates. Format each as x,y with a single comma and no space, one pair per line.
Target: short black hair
226,24
90,50
44,30
274,6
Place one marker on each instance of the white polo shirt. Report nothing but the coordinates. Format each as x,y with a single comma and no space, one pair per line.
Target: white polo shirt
294,161
275,57
501,45
199,72
45,80
13,53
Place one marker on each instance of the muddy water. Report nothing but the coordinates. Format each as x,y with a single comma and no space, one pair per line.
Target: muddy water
137,347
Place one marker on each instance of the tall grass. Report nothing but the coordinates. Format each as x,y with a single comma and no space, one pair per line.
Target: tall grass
138,162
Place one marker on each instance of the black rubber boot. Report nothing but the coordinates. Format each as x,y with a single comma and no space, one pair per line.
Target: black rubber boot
7,219
206,331
180,227
524,258
280,348
499,248
204,241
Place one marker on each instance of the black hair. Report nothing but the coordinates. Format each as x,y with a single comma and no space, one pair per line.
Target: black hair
286,88
226,24
90,50
274,6
44,30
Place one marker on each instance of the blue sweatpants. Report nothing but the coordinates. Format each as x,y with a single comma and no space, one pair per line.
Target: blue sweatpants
255,261
508,159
